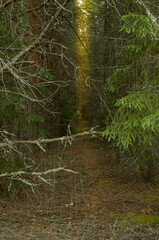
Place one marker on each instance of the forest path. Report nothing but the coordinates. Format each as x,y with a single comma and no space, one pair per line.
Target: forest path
94,204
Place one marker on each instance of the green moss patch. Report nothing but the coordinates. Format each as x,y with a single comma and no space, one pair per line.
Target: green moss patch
140,219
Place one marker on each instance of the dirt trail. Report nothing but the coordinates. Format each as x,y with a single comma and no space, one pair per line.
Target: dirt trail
94,204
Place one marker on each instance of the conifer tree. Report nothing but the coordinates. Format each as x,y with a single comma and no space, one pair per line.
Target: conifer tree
134,85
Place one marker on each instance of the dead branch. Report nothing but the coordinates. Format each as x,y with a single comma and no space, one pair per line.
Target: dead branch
62,139
9,65
20,176
36,174
102,100
153,19
37,8
44,141
76,34
6,4
22,95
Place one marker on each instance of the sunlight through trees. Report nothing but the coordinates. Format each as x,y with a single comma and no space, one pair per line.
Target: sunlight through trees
83,48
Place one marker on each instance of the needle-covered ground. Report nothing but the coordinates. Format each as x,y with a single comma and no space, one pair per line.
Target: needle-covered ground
96,204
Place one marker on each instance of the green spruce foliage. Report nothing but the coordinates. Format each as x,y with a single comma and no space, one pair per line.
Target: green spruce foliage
135,86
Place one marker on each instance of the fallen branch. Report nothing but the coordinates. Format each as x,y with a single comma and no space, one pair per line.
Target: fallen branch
40,175
62,139
36,174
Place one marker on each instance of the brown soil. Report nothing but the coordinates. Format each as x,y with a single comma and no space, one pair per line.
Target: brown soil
88,205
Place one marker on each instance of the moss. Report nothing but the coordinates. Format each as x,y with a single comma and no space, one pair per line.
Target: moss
140,219
113,215
121,215
130,214
131,218
124,223
151,196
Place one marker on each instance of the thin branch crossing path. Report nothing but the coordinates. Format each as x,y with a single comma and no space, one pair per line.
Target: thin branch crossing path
63,139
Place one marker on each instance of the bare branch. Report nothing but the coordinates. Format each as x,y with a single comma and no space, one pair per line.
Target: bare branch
153,19
4,5
21,95
31,46
21,176
103,101
36,174
76,34
91,132
37,8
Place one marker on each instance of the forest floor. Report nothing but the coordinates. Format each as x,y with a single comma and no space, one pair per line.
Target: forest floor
96,204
